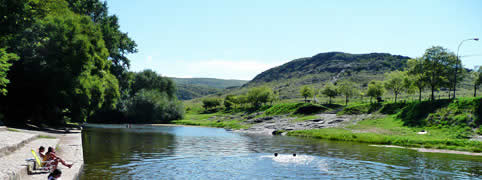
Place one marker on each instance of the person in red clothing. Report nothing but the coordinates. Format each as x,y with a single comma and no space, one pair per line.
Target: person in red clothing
51,156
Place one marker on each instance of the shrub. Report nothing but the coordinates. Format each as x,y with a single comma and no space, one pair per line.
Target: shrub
152,106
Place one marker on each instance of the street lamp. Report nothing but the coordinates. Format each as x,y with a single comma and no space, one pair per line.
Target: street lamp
457,63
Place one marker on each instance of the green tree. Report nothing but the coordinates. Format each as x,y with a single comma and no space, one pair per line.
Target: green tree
437,61
330,91
375,89
150,80
417,75
152,106
394,82
209,103
347,89
477,78
229,101
5,63
306,91
259,95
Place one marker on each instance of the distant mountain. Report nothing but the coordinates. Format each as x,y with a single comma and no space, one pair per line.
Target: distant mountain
330,66
190,88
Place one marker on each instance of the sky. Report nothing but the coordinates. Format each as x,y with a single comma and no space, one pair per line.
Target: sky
239,39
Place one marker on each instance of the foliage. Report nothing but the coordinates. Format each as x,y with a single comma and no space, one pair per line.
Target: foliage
209,103
330,91
5,63
477,79
394,82
150,80
229,102
438,63
415,113
347,89
306,91
375,89
152,106
259,95
417,75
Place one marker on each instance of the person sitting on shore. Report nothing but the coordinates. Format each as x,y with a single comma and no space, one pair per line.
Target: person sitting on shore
51,156
55,174
41,154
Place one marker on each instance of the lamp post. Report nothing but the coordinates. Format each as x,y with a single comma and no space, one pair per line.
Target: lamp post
457,63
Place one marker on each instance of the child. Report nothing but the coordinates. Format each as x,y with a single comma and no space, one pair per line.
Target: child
52,156
55,174
41,150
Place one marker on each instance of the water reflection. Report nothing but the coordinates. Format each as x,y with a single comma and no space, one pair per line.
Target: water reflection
200,153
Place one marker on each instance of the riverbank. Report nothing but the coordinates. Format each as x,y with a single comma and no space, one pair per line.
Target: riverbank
18,143
401,124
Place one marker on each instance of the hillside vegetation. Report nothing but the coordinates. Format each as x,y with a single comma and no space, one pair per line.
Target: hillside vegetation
324,67
191,88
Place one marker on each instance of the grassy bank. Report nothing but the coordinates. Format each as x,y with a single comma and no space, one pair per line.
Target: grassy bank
390,131
210,120
449,123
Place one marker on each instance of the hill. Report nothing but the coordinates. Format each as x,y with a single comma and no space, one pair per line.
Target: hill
190,88
333,63
330,66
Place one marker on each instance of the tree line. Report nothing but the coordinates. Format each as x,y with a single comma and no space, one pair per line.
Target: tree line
66,60
433,71
254,98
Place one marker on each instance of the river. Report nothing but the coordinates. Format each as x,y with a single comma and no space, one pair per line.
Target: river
177,152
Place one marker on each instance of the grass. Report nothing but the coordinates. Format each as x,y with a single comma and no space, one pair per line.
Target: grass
204,120
13,130
46,137
390,131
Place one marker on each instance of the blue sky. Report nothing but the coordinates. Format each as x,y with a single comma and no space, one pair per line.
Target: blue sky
231,39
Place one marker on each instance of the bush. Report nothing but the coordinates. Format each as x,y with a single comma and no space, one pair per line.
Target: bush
209,103
414,114
152,106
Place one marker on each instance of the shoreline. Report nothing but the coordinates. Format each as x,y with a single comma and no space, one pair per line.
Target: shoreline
422,150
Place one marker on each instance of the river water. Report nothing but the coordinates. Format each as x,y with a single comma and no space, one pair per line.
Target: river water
168,152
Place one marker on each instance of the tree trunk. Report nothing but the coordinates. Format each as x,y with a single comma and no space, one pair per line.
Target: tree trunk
396,97
433,95
330,99
346,100
305,99
475,91
420,94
